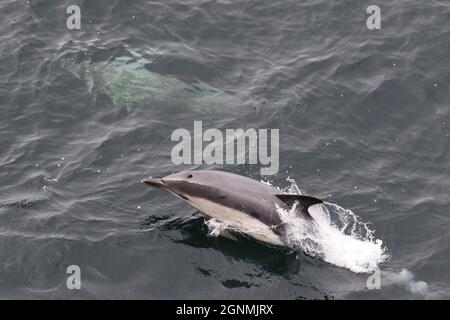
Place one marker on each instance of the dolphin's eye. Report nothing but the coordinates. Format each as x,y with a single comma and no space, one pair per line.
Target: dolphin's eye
190,176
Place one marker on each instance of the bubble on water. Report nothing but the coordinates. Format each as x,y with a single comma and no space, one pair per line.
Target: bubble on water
406,279
293,187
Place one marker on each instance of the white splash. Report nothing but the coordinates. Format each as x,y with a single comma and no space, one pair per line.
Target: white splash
344,241
215,227
336,235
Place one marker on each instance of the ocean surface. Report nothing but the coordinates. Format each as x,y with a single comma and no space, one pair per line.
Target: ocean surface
86,114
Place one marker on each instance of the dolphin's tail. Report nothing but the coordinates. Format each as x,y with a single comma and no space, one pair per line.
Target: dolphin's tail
304,202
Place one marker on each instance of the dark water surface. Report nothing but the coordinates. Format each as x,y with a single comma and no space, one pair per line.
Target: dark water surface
363,118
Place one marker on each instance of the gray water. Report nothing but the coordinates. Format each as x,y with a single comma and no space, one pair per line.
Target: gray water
363,118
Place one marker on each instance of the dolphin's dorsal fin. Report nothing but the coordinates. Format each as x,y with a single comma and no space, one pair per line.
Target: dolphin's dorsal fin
304,202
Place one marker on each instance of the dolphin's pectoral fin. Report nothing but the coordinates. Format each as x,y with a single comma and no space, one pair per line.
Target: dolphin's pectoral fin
304,202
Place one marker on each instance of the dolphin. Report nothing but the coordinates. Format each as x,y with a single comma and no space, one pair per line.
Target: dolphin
128,80
244,205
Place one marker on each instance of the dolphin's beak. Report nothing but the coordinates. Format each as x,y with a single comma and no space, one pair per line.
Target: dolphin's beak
159,183
154,182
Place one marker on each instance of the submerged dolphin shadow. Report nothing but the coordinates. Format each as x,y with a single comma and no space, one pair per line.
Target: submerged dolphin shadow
129,80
